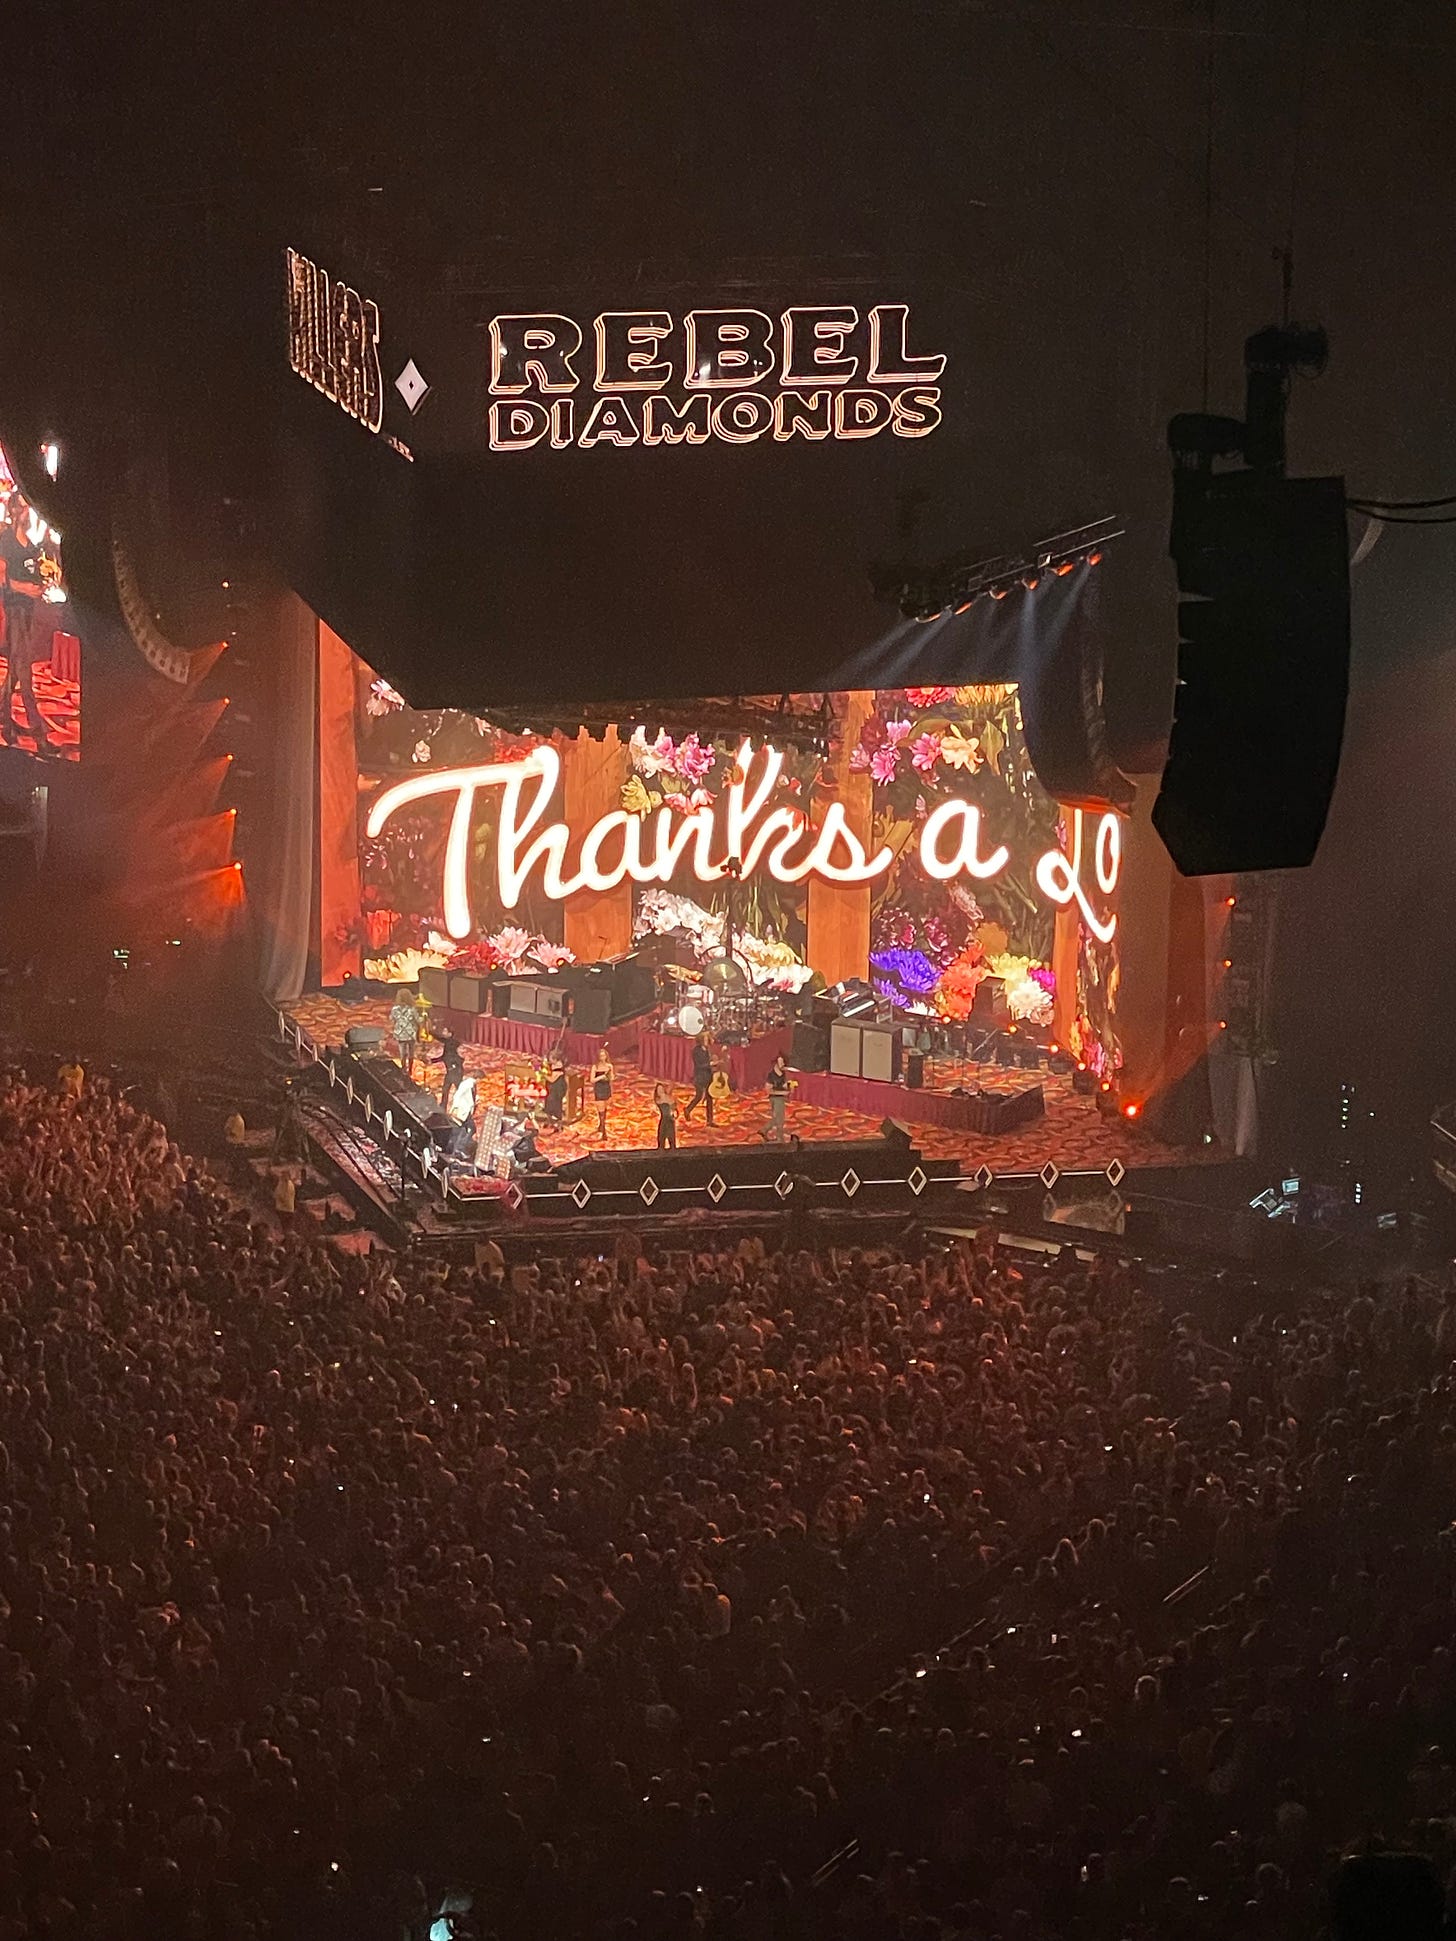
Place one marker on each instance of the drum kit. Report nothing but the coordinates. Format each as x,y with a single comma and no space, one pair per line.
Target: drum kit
715,999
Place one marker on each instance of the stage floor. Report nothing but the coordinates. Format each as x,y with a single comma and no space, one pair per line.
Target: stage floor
1073,1134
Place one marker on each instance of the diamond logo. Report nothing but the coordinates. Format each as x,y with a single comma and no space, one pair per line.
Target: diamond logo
411,386
580,1193
1049,1176
984,1177
349,1090
783,1186
649,1189
1116,1173
717,1187
851,1183
368,1108
515,1199
917,1182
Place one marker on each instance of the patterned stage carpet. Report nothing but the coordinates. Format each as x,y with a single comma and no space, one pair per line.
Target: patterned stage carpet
1073,1134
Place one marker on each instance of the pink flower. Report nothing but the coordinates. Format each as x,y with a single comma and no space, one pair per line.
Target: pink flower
926,753
512,943
859,759
676,801
885,763
693,759
896,731
552,956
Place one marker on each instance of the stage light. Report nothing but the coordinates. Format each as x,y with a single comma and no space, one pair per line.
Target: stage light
1067,566
1223,1024
1130,1111
1094,559
1031,581
998,592
1105,1086
50,454
1229,902
1228,963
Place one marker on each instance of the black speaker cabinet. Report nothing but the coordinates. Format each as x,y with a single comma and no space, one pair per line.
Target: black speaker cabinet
591,1007
989,1005
810,1049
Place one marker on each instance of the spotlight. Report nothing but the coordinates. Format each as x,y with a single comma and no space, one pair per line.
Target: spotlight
1067,566
1031,581
998,592
1130,1111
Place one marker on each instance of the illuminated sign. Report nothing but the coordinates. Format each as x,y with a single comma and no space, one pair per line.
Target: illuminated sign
815,372
333,341
623,847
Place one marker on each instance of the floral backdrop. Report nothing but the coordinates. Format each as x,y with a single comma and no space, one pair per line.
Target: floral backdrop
932,944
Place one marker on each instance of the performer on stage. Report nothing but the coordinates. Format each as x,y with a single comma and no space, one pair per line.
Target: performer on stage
702,1080
778,1085
404,1024
665,1099
602,1075
553,1106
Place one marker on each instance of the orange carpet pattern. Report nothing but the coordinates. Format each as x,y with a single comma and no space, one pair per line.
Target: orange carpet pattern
1073,1134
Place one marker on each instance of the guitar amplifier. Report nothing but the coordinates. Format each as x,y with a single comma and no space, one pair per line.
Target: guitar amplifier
858,1049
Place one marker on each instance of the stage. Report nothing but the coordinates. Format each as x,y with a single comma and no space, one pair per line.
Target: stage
1071,1134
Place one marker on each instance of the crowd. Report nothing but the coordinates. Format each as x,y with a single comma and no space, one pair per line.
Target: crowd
741,1594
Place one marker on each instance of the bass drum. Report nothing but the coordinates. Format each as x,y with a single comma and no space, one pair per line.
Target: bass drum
691,1022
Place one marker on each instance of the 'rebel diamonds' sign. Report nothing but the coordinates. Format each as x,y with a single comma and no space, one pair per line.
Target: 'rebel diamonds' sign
807,374
814,372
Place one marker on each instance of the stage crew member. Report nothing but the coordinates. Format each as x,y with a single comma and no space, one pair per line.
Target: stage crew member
779,1085
454,1068
602,1076
702,1080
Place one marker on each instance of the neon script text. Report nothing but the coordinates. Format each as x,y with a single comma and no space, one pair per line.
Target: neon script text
622,847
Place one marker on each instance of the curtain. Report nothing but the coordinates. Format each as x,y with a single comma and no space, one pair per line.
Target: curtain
285,894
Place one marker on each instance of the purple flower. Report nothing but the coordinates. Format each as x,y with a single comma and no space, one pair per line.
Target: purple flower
1044,975
885,763
912,970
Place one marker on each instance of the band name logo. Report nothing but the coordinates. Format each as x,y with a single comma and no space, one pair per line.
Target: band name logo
333,341
816,372
747,836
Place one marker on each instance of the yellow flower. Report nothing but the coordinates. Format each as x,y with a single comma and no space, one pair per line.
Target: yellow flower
958,750
635,799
